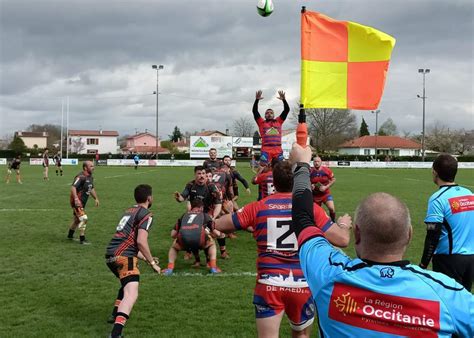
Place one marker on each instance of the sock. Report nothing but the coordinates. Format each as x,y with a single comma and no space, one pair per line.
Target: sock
221,242
61,171
120,321
82,238
212,263
56,173
117,302
223,249
333,216
171,266
197,258
70,234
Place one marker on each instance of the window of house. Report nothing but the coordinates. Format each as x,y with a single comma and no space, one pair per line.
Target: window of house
366,151
94,141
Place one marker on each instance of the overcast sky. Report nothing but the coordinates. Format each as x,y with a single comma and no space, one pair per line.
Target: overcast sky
216,54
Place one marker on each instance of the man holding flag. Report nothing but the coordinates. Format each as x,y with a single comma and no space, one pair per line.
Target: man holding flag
270,129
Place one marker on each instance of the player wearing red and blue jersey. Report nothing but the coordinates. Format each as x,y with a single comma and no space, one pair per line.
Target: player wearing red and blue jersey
270,129
281,286
264,179
322,178
377,294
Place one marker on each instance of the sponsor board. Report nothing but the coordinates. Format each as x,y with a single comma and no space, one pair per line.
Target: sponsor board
3,161
245,142
64,161
200,145
155,163
393,165
401,316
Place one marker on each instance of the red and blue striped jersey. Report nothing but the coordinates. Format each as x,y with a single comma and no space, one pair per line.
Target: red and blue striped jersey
278,261
320,176
265,184
270,131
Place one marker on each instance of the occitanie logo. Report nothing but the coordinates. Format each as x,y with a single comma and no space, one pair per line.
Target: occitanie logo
346,304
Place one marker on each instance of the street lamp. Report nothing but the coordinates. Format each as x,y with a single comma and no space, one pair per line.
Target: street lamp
157,94
424,72
376,112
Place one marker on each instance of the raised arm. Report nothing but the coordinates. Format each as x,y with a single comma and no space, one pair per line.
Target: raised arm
258,97
286,107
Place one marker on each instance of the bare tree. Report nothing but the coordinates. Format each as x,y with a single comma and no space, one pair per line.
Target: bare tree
440,138
464,141
388,128
330,127
77,145
243,127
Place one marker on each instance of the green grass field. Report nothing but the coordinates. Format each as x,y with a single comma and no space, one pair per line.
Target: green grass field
54,287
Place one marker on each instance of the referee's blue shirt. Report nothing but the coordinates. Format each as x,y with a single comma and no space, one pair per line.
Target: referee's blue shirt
453,206
356,298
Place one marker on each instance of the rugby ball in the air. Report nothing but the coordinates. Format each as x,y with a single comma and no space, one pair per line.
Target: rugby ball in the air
265,7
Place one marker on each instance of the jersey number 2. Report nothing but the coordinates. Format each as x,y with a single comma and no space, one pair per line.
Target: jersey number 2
280,236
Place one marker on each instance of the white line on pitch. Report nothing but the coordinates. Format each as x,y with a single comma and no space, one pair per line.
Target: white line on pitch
47,210
138,173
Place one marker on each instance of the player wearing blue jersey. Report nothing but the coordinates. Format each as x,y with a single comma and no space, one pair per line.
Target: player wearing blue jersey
377,294
450,225
136,159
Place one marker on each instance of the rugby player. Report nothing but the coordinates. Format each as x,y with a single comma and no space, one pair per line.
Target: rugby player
194,231
264,179
57,161
378,294
14,165
281,286
235,176
212,162
129,244
45,164
136,159
322,178
270,129
450,225
82,187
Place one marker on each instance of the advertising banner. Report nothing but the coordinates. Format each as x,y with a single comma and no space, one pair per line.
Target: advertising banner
200,145
155,163
64,161
3,161
245,142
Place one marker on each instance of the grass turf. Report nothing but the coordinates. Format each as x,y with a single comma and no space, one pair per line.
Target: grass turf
54,287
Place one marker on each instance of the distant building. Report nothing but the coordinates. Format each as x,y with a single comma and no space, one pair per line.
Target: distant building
211,133
182,145
143,143
93,141
385,145
32,139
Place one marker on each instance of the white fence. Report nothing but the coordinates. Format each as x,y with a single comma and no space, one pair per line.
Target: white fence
388,165
156,163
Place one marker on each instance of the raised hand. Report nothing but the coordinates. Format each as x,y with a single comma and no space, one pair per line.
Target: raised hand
281,95
258,95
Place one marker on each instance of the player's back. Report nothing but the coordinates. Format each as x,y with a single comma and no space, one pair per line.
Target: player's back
124,241
278,260
265,184
357,298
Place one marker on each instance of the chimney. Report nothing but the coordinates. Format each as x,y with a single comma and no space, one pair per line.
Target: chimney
227,131
100,131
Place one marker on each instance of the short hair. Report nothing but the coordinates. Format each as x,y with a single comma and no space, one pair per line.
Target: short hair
208,170
283,176
198,168
142,192
446,166
197,203
213,149
384,223
46,148
226,156
274,162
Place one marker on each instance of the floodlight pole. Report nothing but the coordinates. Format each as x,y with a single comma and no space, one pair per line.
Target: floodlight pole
376,112
157,67
424,72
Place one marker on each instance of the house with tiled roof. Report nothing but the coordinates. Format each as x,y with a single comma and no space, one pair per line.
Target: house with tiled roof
385,145
143,143
32,139
211,133
93,141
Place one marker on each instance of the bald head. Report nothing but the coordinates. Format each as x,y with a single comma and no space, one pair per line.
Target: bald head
383,226
88,166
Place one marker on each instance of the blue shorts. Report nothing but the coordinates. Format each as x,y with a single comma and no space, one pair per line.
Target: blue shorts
266,157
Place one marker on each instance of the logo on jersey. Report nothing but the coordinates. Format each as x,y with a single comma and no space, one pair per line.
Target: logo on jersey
375,311
272,131
387,272
346,304
461,204
200,143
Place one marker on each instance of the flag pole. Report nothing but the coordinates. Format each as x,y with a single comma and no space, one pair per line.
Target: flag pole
302,129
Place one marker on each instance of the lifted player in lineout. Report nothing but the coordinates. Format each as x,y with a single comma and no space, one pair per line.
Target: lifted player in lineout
270,129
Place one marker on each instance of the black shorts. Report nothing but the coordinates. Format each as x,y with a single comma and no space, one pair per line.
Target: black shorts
58,164
459,267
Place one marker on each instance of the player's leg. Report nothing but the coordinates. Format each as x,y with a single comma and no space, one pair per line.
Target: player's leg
73,226
111,264
57,170
212,254
172,255
18,176
61,170
264,158
222,248
7,177
269,310
329,202
129,277
300,309
83,219
45,173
